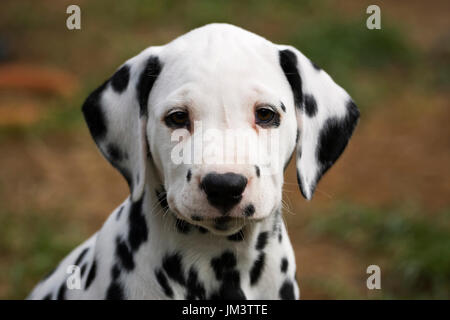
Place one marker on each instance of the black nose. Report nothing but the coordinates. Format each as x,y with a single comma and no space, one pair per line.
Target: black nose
224,191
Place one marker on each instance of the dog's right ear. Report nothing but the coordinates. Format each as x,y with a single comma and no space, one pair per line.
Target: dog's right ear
326,117
116,114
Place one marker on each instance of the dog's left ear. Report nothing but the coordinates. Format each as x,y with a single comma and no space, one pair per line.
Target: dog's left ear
116,114
326,117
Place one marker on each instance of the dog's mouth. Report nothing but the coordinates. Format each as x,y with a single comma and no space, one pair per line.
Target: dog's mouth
225,225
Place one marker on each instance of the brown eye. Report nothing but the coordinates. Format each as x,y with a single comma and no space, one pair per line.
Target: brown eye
264,116
177,119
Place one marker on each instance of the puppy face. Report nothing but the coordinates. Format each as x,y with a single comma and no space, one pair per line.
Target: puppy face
218,113
221,128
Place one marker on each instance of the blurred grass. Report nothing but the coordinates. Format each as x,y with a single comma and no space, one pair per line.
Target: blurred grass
348,51
60,115
32,243
414,248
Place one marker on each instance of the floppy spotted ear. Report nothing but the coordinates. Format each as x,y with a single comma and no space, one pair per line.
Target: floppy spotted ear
326,117
116,114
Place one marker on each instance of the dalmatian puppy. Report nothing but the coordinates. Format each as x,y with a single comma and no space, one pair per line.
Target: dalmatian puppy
204,229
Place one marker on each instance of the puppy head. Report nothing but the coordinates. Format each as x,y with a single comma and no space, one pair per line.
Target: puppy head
217,114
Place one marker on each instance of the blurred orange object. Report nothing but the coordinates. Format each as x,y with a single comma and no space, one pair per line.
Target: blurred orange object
38,79
20,113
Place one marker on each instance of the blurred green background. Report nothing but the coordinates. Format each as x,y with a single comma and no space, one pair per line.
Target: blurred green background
386,201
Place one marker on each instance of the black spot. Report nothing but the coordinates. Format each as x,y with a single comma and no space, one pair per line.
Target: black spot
162,197
288,62
119,80
124,254
195,289
283,107
230,288
82,270
81,256
310,105
146,81
284,265
221,223
115,272
280,237
202,230
91,275
173,267
94,115
315,66
226,261
258,171
62,291
48,297
162,280
138,232
249,210
196,218
262,240
115,291
297,137
287,291
119,213
182,226
334,136
257,268
224,269
189,175
238,236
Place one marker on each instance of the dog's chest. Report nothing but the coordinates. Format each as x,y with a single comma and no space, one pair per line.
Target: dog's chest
187,262
134,257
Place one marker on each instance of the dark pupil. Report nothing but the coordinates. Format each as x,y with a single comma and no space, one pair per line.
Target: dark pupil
179,117
264,114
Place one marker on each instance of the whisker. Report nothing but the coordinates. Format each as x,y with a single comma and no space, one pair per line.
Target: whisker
324,193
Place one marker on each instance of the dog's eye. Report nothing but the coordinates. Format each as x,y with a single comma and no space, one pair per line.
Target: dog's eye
264,116
177,119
